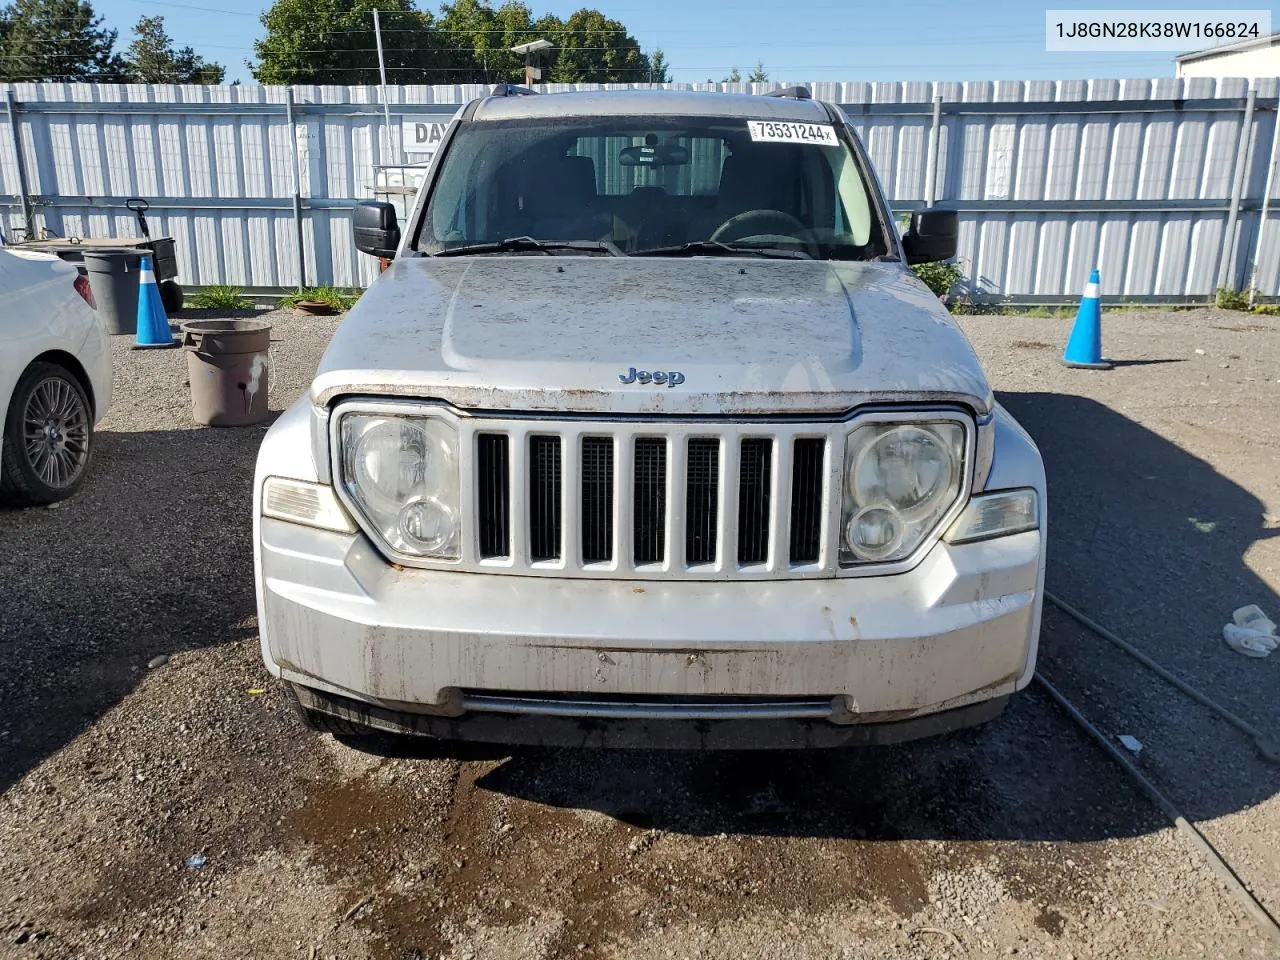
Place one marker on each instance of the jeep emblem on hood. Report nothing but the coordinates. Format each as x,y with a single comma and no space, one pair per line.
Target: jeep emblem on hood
672,378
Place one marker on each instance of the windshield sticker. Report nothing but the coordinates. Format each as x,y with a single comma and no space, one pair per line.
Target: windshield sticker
775,131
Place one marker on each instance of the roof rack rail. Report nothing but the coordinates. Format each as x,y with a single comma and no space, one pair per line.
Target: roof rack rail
792,93
512,90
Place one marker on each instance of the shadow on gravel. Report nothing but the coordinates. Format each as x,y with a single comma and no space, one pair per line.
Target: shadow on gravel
1150,541
1146,363
153,556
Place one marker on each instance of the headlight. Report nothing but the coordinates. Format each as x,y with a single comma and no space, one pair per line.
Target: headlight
900,480
402,475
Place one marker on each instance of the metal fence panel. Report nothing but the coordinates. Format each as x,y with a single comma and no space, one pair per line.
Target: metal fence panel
1137,177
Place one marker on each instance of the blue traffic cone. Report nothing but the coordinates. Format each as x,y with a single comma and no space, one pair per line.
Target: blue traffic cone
1084,349
153,324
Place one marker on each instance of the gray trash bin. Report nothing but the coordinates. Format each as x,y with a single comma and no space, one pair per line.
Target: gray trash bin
227,366
113,276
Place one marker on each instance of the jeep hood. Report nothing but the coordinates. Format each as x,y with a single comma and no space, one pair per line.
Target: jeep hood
556,333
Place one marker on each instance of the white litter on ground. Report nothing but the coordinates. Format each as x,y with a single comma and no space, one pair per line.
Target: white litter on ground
1252,618
1132,744
1250,643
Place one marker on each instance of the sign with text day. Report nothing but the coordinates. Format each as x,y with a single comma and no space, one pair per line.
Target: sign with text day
423,134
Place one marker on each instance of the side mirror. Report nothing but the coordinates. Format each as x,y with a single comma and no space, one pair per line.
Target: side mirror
932,236
376,230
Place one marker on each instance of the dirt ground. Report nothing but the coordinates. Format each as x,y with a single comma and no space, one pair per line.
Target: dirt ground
1021,838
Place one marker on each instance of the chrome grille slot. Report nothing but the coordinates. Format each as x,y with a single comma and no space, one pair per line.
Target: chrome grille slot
702,500
596,519
755,482
649,508
807,470
544,497
493,495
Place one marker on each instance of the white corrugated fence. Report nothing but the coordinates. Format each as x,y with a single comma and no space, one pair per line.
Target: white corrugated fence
1158,182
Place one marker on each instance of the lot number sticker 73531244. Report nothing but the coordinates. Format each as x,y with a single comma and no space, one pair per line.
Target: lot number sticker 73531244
782,131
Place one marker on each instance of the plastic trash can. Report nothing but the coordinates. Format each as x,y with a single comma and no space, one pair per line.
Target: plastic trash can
227,366
113,277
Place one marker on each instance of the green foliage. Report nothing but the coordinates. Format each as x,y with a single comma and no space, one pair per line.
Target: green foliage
152,59
939,277
1054,313
1227,299
1267,309
758,75
331,41
57,40
735,76
339,300
659,71
967,306
220,297
592,48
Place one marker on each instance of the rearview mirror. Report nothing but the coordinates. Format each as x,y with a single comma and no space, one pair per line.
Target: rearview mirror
932,236
376,229
654,155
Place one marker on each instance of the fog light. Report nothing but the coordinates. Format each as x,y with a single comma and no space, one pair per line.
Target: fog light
428,525
874,532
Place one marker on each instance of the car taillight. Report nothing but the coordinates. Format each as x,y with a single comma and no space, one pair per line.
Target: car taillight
86,291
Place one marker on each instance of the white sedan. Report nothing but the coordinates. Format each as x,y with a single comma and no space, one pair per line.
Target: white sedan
55,377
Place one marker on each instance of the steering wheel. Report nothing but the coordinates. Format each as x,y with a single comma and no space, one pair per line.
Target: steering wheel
750,223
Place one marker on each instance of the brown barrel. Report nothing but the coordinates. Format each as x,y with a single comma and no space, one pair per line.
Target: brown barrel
227,366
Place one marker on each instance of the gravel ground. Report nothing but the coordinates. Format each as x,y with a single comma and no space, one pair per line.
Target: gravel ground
1020,838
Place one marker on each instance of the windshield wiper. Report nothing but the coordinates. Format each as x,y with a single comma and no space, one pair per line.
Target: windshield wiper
517,244
718,248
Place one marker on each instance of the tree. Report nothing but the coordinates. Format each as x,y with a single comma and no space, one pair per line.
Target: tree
152,59
734,76
57,40
659,72
480,38
592,48
758,75
332,41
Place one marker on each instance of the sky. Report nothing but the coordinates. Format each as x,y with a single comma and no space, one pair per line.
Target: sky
801,41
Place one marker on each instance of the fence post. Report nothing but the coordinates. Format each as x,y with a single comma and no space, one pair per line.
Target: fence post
1227,259
931,162
296,178
24,192
1266,207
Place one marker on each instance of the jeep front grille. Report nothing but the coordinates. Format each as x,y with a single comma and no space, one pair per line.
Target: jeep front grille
545,494
806,499
597,499
493,502
637,500
649,506
701,500
755,482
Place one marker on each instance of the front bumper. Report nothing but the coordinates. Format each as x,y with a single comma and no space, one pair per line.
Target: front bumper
958,630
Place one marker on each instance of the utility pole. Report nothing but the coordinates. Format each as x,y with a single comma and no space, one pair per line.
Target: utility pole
382,74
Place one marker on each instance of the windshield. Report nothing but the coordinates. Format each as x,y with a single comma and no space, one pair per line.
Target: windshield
648,186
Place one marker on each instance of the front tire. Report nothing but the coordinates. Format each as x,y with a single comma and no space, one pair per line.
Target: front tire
48,437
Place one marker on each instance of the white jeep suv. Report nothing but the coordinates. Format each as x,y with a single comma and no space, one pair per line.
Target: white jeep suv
648,436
